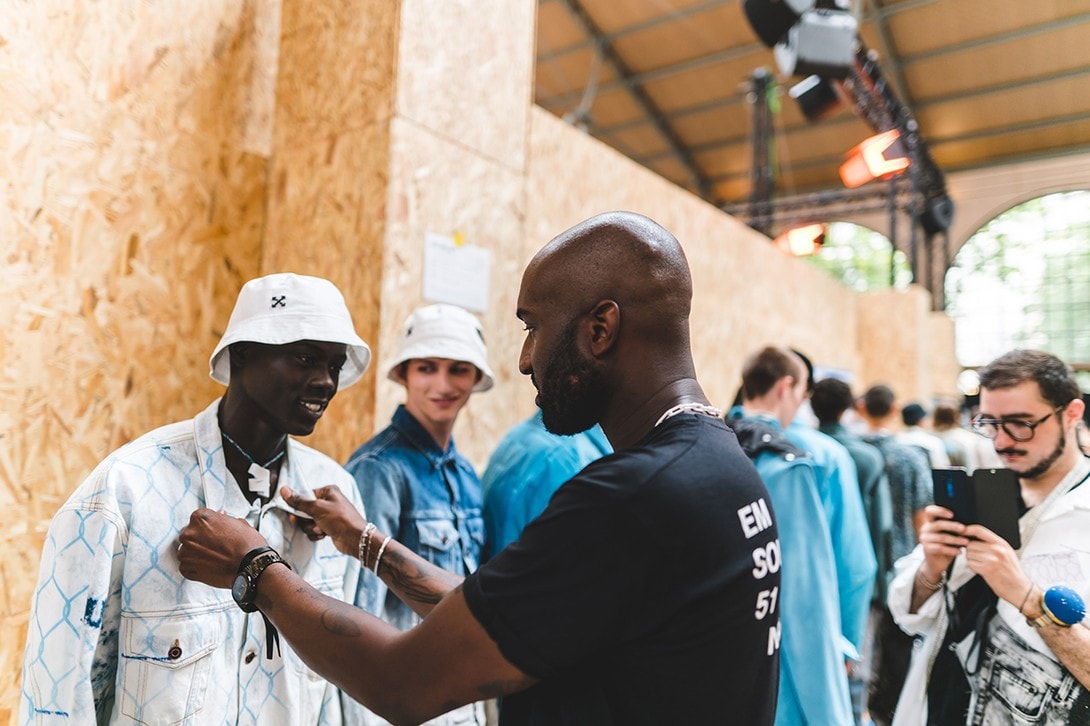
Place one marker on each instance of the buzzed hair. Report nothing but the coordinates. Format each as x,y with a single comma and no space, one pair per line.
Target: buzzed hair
831,398
628,258
878,401
768,365
1054,377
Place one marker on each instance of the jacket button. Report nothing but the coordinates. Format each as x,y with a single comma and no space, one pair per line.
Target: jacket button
250,657
175,651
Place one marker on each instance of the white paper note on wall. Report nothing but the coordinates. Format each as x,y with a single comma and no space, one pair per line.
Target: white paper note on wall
456,274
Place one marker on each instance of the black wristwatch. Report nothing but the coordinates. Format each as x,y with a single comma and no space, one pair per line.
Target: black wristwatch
244,589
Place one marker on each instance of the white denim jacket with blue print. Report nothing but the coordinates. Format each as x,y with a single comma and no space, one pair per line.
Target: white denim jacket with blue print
117,635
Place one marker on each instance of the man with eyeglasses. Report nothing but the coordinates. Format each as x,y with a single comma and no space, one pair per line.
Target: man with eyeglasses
1004,634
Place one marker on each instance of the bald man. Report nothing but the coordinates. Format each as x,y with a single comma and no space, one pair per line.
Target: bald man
647,592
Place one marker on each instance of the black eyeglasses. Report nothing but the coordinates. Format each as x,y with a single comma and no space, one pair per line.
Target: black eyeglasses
1015,428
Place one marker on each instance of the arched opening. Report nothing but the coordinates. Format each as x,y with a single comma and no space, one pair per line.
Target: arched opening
1023,280
862,259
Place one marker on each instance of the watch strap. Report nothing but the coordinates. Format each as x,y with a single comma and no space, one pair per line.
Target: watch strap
249,556
252,570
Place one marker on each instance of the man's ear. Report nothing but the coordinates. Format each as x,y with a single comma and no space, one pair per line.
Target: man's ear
784,386
1073,412
605,325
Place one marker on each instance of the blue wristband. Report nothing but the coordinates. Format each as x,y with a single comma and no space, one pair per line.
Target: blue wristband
1063,606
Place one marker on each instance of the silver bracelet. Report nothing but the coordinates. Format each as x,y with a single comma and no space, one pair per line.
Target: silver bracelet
381,549
931,586
365,543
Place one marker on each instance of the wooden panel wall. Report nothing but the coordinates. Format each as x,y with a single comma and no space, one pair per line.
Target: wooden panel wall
328,175
155,157
132,152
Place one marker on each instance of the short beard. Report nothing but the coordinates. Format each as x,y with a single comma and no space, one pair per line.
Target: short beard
572,395
1046,463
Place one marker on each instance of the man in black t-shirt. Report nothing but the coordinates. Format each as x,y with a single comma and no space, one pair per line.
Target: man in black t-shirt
647,592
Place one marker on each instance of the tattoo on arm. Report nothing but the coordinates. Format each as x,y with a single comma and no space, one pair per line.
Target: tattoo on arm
340,619
417,582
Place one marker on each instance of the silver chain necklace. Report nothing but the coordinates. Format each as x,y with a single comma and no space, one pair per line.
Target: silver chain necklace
690,407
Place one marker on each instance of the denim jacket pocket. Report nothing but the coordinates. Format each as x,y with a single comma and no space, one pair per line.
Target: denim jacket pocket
166,663
438,537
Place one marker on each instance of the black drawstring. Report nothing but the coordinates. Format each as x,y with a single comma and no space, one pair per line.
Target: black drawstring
271,636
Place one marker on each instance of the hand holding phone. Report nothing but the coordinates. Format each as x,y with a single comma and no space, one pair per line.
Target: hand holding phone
990,497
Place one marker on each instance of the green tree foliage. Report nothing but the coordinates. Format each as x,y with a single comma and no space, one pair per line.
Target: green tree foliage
860,258
1023,280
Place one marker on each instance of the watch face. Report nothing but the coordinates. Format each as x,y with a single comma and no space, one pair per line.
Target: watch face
238,589
1066,604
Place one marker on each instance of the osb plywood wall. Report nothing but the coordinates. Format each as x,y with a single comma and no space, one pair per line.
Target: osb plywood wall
154,157
458,168
131,211
326,200
136,142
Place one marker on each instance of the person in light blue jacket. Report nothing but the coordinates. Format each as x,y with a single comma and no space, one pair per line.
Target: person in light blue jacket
525,470
856,565
813,678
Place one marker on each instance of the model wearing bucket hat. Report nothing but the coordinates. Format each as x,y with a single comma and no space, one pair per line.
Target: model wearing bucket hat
415,484
289,345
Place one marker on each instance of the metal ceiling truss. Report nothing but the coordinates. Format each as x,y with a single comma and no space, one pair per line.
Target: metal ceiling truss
697,178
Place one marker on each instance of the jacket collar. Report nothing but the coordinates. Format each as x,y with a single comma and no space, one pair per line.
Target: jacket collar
405,424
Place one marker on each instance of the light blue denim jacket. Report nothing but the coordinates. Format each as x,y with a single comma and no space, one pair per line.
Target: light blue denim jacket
428,499
117,635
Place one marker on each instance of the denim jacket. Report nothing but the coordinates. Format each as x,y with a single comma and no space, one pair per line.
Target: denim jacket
117,635
428,499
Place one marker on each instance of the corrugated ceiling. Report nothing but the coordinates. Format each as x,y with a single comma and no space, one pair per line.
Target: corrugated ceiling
989,81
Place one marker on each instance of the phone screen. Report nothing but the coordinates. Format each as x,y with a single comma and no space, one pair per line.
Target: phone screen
952,490
997,498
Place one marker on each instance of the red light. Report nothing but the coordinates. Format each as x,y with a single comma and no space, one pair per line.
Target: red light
879,157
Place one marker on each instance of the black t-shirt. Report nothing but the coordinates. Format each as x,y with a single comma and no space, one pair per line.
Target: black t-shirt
647,591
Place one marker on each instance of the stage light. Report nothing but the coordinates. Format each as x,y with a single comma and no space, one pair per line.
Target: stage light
937,214
817,97
823,42
879,157
802,241
771,19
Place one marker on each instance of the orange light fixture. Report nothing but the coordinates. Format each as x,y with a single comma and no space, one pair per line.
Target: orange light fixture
880,157
802,241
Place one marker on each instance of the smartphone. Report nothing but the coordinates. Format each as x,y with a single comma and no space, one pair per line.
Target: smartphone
989,497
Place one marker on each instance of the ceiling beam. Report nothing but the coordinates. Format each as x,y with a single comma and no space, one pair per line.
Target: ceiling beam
702,61
655,22
986,41
1067,75
625,77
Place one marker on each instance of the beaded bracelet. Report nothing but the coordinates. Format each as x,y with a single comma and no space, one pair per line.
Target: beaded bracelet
365,543
381,549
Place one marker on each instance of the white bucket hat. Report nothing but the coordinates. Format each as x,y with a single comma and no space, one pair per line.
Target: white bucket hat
283,308
443,331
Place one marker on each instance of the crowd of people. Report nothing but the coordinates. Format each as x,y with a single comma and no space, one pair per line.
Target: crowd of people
632,554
